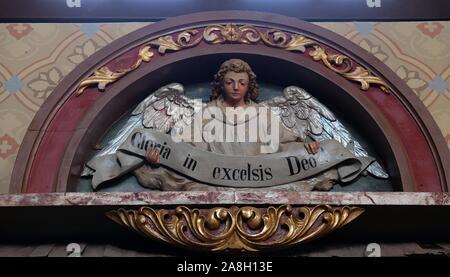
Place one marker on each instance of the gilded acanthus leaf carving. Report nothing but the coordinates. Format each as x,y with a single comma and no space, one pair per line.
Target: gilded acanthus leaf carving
104,76
183,40
245,228
292,42
217,34
365,78
245,34
332,61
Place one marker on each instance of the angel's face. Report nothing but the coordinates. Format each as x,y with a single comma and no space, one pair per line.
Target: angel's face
235,87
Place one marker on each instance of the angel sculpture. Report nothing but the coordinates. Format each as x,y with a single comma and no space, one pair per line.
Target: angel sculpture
310,150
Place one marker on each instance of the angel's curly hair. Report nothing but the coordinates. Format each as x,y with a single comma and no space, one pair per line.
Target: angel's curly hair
238,66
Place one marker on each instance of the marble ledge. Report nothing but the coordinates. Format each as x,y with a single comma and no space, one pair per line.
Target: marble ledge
225,198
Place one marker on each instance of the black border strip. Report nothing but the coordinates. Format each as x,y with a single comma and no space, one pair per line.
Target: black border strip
155,10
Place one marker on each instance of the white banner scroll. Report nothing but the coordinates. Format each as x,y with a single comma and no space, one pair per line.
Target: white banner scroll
226,170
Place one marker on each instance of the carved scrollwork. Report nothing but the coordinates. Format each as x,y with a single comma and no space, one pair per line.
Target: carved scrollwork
338,63
292,42
217,34
245,228
104,76
246,34
365,78
183,40
332,61
343,65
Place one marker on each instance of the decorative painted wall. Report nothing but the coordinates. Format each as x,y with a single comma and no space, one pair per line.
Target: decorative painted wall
35,57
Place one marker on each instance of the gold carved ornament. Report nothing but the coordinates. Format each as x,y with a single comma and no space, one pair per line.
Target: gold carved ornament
104,76
217,34
338,63
246,34
244,229
183,40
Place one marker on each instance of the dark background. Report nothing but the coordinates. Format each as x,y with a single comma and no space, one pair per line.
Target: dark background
154,10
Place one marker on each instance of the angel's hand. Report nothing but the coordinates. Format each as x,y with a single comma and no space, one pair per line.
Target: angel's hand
152,157
312,147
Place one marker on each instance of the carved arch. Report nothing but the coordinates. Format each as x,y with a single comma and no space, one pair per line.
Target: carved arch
67,126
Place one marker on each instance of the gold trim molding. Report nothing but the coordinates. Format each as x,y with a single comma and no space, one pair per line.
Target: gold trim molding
243,34
236,228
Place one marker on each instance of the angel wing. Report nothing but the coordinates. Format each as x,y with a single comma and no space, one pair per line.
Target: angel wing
307,117
163,110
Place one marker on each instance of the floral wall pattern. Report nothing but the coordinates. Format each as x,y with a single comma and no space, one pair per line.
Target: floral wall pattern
35,57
